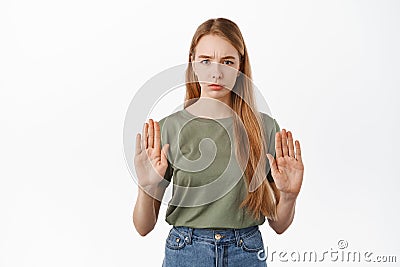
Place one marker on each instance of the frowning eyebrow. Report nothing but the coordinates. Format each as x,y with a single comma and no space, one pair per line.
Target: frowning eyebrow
226,57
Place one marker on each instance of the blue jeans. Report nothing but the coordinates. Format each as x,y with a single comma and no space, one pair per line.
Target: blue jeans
194,247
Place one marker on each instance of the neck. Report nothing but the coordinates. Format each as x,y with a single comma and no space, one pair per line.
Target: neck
212,108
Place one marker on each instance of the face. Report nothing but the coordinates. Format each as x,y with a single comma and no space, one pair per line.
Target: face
216,61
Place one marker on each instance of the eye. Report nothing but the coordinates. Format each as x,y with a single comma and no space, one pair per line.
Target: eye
205,61
228,62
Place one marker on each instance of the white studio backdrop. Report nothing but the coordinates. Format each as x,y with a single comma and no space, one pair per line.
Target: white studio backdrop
329,71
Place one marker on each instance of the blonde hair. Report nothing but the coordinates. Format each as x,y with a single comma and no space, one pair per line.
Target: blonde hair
262,200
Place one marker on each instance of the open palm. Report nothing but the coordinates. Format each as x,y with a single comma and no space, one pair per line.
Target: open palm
150,163
287,169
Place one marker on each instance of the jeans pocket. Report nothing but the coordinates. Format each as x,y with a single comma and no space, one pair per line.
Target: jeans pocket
175,240
252,242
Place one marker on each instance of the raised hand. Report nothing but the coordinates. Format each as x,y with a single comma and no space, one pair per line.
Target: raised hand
150,161
287,169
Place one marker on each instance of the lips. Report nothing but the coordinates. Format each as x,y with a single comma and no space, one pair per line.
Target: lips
215,86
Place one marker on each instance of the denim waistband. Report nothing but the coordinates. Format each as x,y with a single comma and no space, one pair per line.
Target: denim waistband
218,235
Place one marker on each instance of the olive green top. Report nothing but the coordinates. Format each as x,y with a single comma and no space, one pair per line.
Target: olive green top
208,184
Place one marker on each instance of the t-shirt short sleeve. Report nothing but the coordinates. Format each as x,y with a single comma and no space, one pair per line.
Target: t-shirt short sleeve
169,172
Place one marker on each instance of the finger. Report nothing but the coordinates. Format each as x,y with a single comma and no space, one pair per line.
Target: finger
272,163
138,145
298,151
157,139
164,158
285,150
278,145
151,133
290,142
144,136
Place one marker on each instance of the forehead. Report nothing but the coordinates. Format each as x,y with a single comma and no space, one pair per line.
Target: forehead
212,45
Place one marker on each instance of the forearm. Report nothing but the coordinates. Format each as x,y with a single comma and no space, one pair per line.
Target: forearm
144,217
285,213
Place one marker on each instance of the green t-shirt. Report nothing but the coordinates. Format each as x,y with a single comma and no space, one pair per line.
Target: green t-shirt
208,184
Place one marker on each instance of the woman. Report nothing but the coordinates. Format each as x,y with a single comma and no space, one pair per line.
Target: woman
223,189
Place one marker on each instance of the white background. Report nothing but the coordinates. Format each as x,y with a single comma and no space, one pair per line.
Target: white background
329,71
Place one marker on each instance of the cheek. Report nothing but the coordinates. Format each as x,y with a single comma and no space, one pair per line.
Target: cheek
229,83
230,76
202,76
201,71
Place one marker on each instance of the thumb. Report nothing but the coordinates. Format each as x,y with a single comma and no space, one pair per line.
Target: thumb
164,155
272,163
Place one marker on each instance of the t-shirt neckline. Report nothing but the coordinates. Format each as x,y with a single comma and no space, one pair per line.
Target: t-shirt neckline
187,114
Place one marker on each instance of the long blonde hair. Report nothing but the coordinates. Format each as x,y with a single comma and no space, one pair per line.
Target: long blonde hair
262,200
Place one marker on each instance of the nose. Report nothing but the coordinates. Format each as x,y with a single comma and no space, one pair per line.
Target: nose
216,72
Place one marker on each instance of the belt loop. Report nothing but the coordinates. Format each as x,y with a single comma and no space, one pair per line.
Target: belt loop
237,236
190,234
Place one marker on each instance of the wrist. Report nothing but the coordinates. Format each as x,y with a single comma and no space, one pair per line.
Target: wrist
288,197
147,189
148,186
